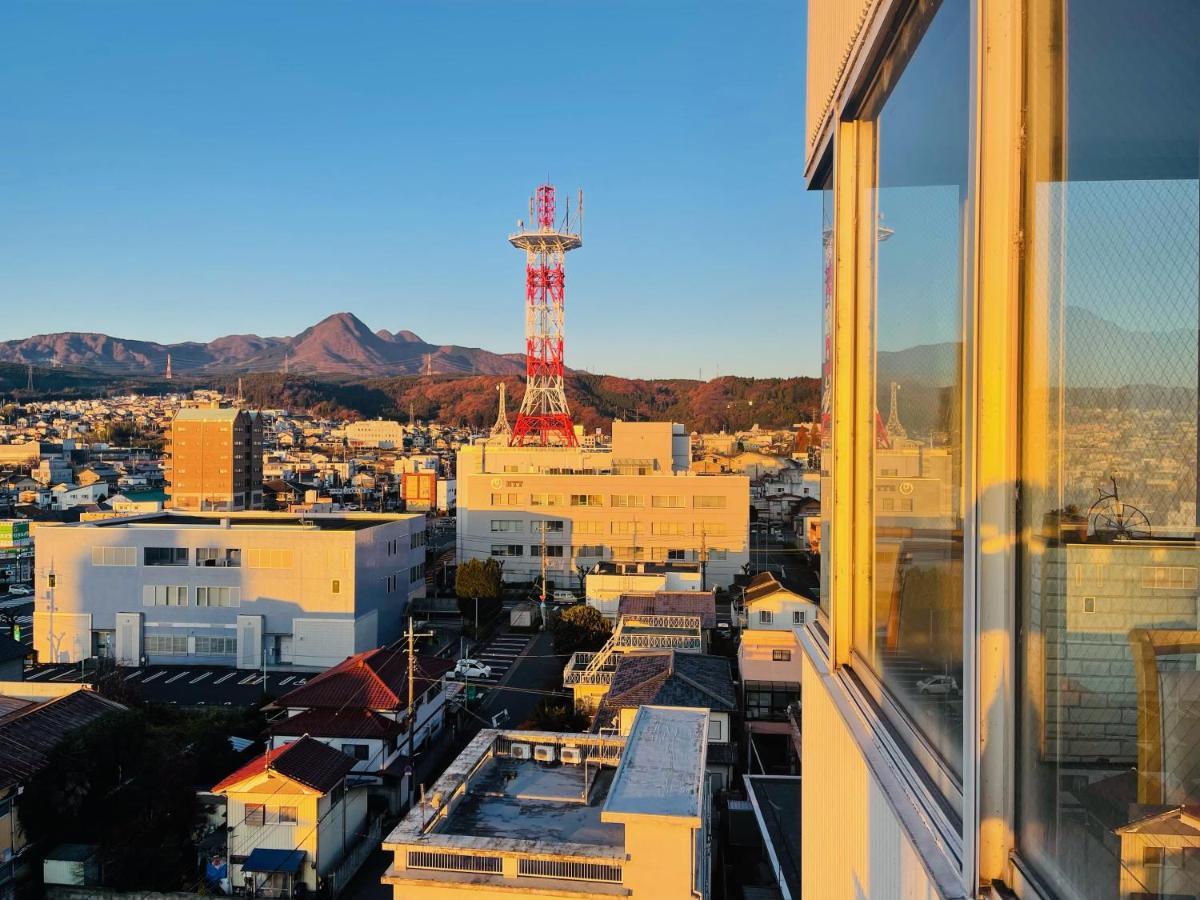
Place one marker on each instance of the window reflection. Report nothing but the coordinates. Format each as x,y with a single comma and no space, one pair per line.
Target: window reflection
1110,778
911,634
825,533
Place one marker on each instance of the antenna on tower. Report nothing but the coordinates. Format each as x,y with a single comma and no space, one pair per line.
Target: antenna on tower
239,396
501,427
287,356
29,379
168,374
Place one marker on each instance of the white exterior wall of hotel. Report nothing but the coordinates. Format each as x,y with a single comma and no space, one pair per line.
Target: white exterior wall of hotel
329,590
872,826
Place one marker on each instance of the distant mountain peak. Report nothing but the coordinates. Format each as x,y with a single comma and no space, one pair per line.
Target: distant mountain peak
340,343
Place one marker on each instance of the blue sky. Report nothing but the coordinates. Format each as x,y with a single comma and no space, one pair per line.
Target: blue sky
179,171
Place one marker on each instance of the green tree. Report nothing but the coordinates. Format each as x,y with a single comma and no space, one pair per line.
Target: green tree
552,714
478,579
477,584
580,628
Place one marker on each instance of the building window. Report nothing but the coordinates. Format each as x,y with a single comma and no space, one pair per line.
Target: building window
624,527
797,617
287,815
1108,699
508,525
269,559
708,529
587,499
708,502
416,573
164,595
549,526
659,501
165,556
215,556
218,596
508,550
668,528
358,751
589,550
256,814
765,617
335,586
165,645
715,731
916,135
769,700
114,556
554,550
588,528
677,555
545,499
629,501
781,656
216,646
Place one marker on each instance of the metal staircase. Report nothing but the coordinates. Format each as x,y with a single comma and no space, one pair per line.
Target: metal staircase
633,632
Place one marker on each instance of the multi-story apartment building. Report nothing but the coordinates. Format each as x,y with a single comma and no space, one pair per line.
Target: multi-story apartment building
215,459
236,588
565,815
633,501
1000,691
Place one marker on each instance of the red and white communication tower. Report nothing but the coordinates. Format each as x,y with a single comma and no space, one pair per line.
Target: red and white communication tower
544,417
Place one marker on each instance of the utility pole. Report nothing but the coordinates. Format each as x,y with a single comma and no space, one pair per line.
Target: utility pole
703,559
412,665
543,588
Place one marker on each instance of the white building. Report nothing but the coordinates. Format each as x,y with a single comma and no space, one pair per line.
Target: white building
382,433
565,815
633,501
244,588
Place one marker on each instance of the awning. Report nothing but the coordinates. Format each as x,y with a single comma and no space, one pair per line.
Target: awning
268,861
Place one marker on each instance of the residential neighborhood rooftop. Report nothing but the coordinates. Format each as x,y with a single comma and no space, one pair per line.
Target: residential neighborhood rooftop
661,773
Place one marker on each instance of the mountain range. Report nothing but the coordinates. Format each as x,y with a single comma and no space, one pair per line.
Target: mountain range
339,344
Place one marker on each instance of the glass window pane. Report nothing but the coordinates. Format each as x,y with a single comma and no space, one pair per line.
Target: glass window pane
1110,734
911,635
821,545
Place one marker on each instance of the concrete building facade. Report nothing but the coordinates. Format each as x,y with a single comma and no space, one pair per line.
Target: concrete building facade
244,589
631,502
215,459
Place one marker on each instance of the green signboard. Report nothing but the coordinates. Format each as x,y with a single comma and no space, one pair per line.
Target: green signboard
14,533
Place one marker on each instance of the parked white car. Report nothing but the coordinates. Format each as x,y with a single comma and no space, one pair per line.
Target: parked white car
563,597
472,668
945,685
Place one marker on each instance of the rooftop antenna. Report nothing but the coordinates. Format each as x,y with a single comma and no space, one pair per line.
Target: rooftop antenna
501,427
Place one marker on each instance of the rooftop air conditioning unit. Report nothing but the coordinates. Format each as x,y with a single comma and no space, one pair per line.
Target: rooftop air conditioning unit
519,751
571,756
544,753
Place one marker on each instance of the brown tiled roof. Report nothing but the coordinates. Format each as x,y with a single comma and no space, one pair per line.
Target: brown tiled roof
27,737
307,761
764,584
375,679
671,603
672,678
348,723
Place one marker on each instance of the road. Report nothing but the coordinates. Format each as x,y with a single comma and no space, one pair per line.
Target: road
531,674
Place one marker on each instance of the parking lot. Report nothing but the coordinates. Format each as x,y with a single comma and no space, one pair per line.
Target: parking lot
188,685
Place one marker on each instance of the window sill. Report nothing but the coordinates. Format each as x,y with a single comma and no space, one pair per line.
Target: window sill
937,839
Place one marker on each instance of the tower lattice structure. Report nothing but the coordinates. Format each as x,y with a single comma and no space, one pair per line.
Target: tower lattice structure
544,417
